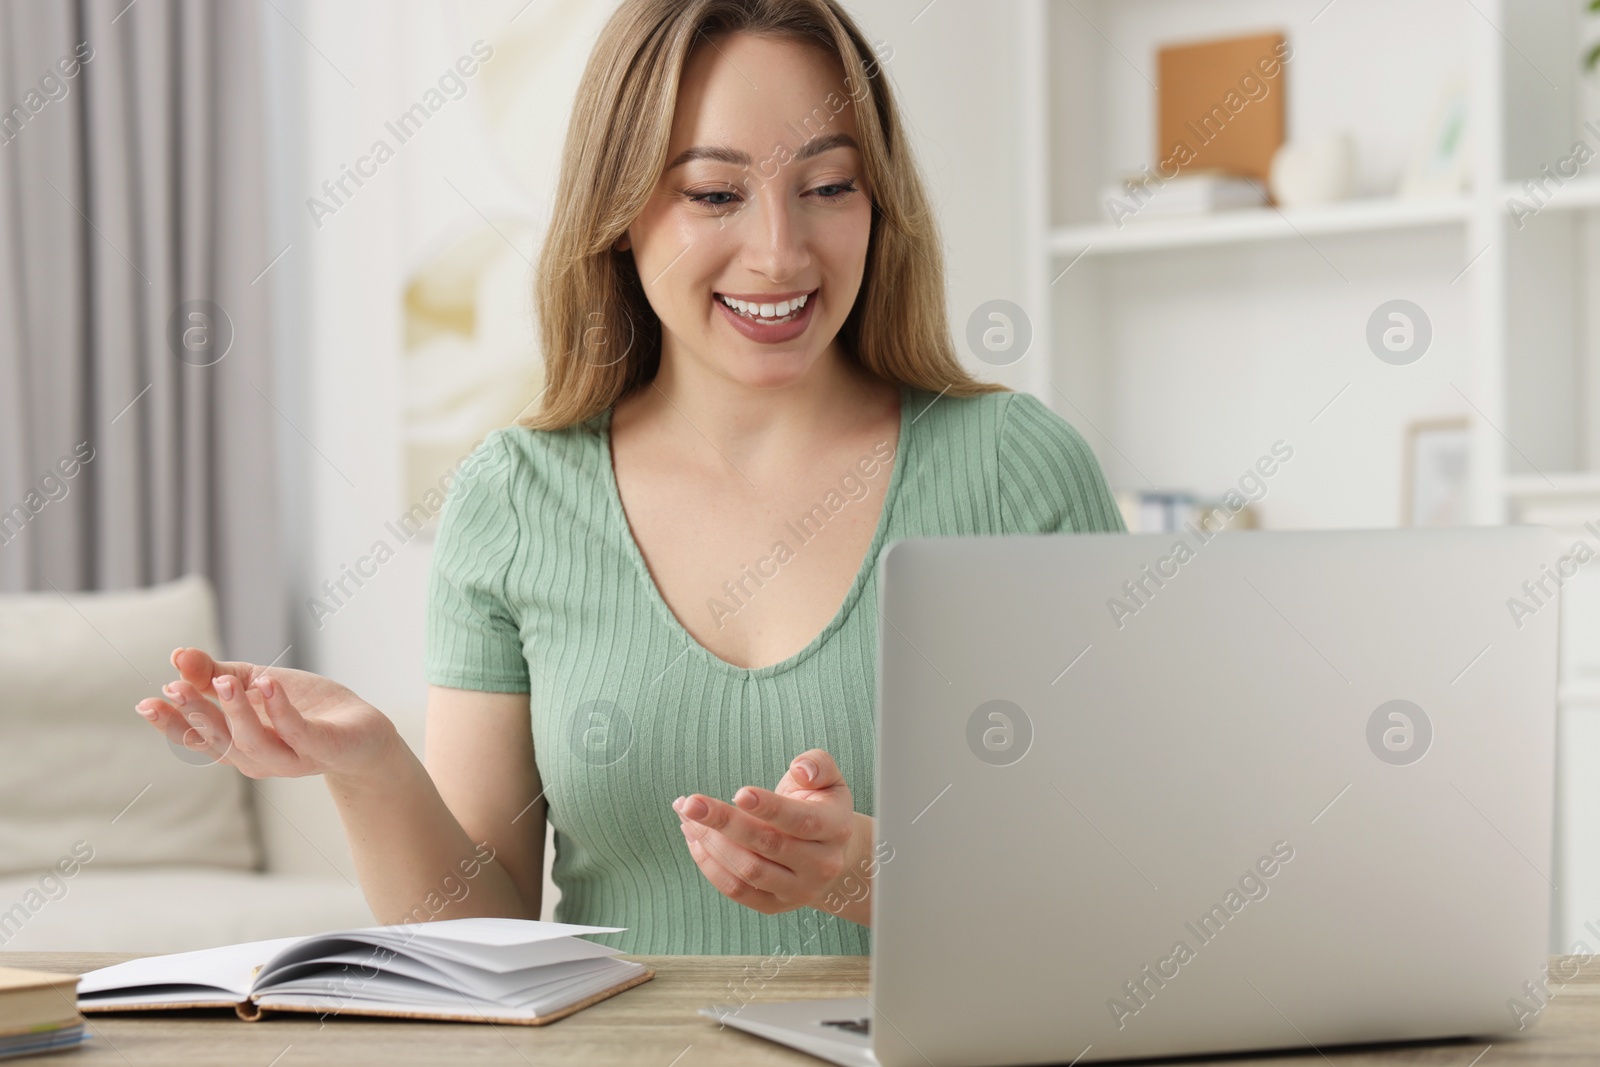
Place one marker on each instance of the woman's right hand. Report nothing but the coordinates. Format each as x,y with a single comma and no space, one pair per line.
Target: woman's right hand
274,723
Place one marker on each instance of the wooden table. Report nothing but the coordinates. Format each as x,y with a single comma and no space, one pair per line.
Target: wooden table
656,1025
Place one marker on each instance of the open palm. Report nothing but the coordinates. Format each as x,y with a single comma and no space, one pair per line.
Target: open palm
268,722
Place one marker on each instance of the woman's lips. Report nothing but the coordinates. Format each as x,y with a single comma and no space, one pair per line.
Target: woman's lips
770,333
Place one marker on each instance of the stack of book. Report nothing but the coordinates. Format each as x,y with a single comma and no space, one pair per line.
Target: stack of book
1144,196
38,1012
1157,511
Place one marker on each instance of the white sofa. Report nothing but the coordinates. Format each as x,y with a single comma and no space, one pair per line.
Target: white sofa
113,840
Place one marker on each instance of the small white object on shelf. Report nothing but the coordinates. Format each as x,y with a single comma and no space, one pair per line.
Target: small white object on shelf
1150,196
1313,172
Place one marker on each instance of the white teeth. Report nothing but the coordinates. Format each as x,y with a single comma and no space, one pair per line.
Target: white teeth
780,310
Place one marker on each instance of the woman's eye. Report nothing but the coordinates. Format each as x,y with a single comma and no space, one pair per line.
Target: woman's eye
831,192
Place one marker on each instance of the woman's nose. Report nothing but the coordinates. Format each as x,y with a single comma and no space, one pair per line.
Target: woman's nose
776,238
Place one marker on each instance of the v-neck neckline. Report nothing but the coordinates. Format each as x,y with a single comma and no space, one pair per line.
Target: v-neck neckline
863,573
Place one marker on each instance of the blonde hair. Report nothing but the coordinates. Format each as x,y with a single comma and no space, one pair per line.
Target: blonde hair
590,301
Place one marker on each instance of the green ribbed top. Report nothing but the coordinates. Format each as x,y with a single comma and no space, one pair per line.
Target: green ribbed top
538,586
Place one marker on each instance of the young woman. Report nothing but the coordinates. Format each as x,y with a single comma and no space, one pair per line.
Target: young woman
651,606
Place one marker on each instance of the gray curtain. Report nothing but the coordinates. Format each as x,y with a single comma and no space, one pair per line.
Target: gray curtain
136,425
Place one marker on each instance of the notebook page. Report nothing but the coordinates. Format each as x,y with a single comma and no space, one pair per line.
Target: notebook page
225,971
349,973
513,960
491,944
495,932
411,997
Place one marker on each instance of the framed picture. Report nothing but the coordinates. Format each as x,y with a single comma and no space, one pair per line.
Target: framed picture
1440,158
1437,464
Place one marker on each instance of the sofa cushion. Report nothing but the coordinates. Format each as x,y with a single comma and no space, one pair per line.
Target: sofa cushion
80,771
170,909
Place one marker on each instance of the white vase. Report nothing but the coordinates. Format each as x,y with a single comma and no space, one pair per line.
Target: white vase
1310,172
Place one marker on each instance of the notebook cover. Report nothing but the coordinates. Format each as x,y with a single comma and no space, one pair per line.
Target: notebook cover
171,1005
1208,103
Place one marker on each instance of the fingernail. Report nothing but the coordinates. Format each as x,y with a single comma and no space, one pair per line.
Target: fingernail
677,805
695,808
174,695
224,686
264,684
148,713
745,799
807,768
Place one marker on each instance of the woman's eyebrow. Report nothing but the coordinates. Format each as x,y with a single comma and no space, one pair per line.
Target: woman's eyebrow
721,154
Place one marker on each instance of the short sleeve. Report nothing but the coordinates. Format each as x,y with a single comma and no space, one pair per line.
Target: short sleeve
473,636
1049,479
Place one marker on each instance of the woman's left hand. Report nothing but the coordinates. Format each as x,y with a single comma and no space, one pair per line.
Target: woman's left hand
775,850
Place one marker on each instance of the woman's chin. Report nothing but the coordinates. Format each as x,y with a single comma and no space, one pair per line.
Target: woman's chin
768,370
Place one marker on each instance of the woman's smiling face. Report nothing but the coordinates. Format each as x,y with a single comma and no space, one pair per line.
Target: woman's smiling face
763,201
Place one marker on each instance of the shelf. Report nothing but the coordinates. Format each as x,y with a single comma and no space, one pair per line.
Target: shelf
1258,224
1269,224
1563,484
1577,194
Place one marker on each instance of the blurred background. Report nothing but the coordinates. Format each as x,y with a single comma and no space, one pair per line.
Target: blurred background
265,274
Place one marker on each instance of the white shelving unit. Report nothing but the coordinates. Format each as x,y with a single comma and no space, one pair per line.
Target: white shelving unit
1183,349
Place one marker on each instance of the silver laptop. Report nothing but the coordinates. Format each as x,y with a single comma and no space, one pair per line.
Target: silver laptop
1165,794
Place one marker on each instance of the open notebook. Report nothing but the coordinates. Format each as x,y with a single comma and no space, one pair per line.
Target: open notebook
467,970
